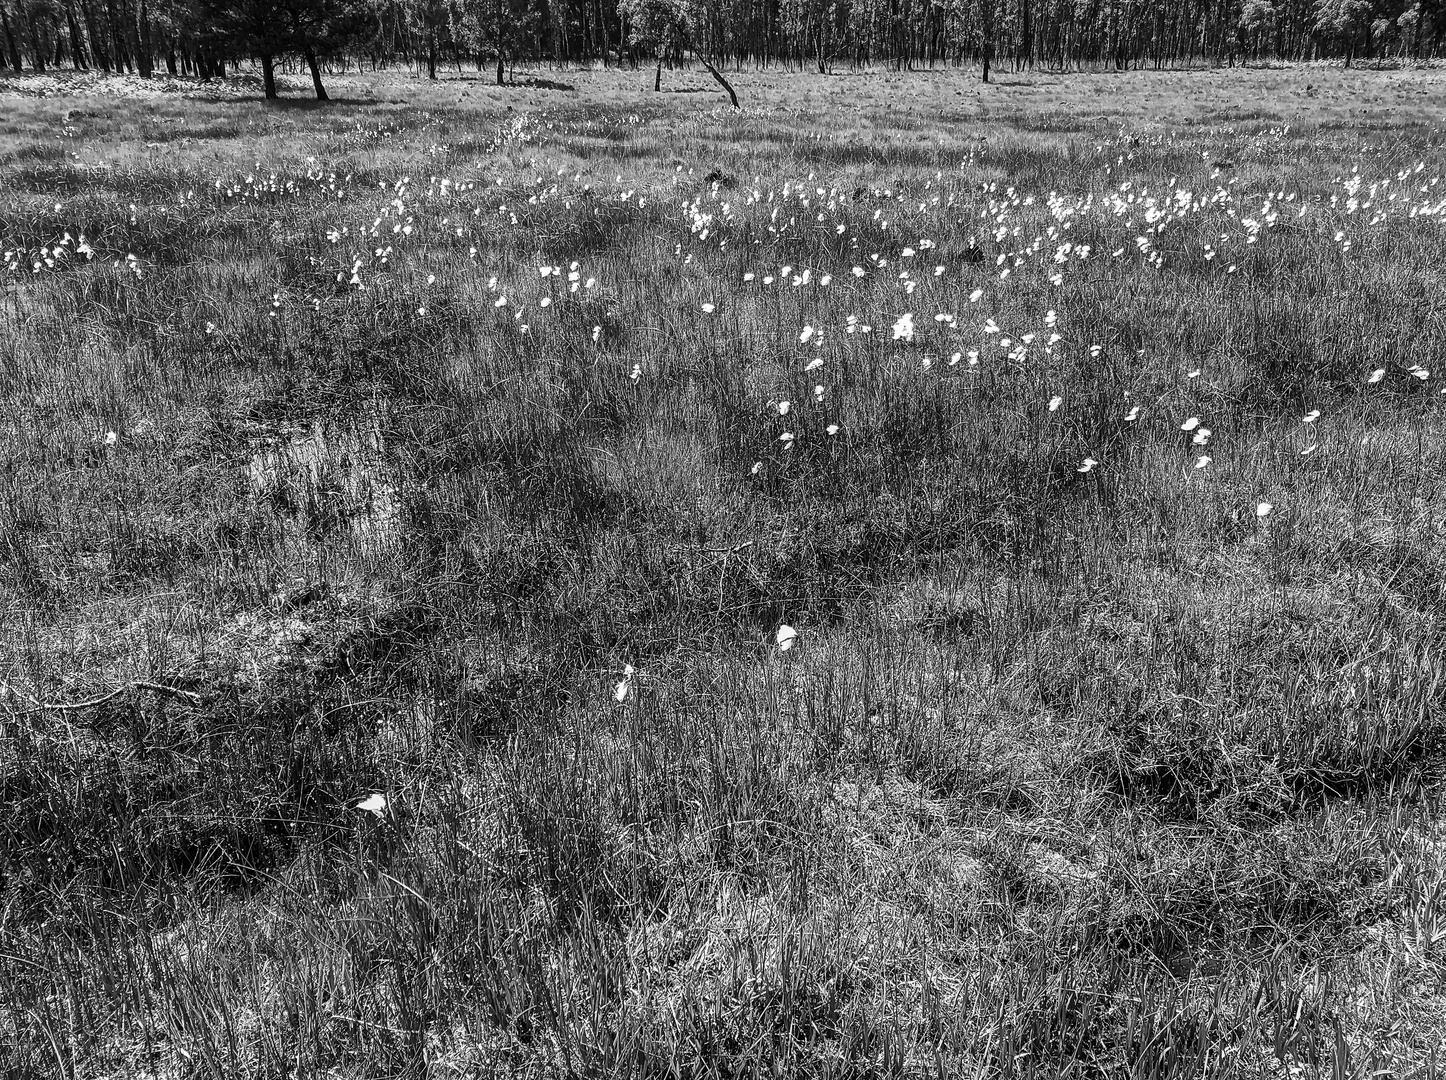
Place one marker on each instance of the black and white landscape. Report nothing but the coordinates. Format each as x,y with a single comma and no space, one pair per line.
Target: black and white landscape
524,568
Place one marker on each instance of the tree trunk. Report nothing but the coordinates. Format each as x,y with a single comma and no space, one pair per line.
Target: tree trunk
131,27
268,76
77,50
98,53
122,53
316,75
718,75
144,55
10,40
431,53
986,47
658,75
37,50
501,63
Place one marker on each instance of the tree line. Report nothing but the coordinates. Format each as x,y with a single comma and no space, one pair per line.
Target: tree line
204,38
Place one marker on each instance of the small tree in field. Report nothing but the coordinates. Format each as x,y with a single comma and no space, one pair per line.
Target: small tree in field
664,28
986,18
503,26
656,26
317,28
270,29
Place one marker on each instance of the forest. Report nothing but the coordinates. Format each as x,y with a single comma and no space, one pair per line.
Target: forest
206,38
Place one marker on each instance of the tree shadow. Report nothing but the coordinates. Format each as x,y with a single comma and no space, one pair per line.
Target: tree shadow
308,104
545,84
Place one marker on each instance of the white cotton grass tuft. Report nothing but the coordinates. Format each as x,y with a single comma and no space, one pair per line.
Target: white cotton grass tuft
904,327
375,803
1087,465
1263,509
620,692
786,637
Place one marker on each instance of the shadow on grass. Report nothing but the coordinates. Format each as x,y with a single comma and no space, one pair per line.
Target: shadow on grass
545,84
308,104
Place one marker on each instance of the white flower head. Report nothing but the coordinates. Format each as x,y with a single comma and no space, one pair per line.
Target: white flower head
620,692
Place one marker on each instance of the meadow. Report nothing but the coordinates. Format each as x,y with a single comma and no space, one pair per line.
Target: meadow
906,578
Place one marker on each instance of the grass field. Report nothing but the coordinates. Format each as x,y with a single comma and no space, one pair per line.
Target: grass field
909,578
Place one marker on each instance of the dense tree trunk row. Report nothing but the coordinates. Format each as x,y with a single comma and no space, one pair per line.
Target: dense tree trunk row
196,37
125,36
